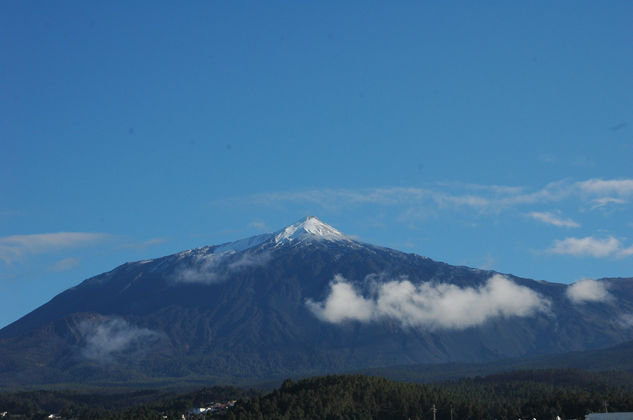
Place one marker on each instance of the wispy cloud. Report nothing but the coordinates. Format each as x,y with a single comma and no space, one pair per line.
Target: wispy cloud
553,219
215,268
427,305
329,198
483,198
261,226
249,259
15,247
488,262
202,269
142,245
625,320
548,158
583,162
9,213
601,202
626,252
588,290
65,264
590,246
608,187
106,338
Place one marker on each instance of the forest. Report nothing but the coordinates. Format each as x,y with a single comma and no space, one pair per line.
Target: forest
540,394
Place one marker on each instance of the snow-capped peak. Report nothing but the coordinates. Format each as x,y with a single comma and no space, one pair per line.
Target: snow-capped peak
310,227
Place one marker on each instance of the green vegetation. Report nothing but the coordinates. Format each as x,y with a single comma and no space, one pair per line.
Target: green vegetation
108,404
542,394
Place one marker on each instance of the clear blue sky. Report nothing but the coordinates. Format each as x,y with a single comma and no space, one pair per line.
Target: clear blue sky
490,134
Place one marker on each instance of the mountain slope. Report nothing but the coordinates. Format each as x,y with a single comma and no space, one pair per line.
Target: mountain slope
304,300
616,358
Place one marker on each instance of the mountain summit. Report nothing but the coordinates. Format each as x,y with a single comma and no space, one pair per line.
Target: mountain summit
306,231
300,301
309,228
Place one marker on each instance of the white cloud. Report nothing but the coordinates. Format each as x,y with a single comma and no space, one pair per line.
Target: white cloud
621,187
588,290
587,246
15,247
107,337
427,305
342,304
552,219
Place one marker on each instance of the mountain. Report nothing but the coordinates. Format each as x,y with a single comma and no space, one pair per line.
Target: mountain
304,300
607,360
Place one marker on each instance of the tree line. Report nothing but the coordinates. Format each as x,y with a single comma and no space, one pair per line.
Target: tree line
541,394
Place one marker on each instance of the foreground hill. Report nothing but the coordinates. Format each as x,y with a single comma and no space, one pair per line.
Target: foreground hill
305,300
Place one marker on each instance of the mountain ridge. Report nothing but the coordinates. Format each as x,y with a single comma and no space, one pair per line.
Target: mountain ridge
314,301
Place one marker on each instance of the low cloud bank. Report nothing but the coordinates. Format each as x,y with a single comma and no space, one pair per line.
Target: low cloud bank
215,268
105,338
427,305
588,290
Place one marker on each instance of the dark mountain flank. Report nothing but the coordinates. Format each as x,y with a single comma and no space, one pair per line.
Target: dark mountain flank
305,300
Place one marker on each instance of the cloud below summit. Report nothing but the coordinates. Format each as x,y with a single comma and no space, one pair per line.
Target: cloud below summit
588,290
105,338
427,305
215,268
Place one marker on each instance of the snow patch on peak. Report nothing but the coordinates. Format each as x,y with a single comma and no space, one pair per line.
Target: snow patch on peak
243,244
310,227
228,247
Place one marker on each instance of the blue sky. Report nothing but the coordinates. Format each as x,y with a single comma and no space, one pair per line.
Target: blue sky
490,134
